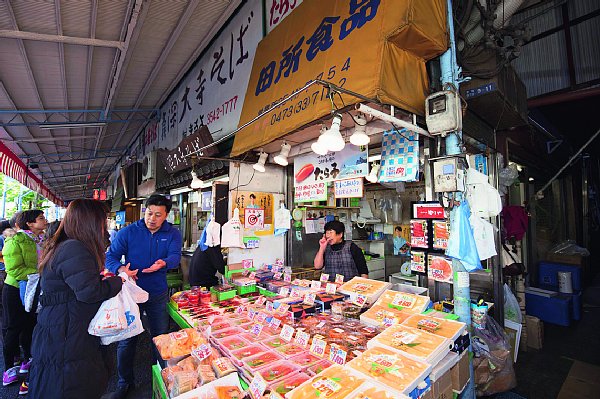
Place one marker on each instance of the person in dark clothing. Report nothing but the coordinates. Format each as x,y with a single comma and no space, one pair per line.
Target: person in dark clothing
205,265
67,361
337,256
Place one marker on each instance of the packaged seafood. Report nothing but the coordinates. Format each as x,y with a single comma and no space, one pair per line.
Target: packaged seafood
289,383
384,316
443,327
273,372
263,359
305,360
335,382
178,343
407,302
371,289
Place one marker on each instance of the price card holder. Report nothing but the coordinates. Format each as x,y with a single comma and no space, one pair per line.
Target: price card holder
284,291
202,352
358,299
302,339
274,324
315,285
252,314
331,288
261,300
287,332
287,277
247,263
257,386
318,346
252,275
337,355
269,307
339,278
240,310
256,329
261,317
309,299
283,308
324,277
277,276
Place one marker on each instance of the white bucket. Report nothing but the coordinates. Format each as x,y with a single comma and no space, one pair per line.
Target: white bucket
565,282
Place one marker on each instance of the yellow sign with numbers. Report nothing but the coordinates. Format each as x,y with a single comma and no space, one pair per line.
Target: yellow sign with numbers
377,48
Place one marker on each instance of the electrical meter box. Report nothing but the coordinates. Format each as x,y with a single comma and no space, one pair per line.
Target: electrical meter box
448,175
443,112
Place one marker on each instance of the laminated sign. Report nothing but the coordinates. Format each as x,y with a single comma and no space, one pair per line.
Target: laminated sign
399,157
350,188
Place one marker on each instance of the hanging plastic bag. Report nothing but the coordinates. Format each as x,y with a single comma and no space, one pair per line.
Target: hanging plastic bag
461,244
32,293
512,311
492,362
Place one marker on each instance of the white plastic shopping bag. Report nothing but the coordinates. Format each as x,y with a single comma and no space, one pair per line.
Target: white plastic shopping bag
119,317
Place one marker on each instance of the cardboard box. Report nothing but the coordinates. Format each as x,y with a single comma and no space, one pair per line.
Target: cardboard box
582,382
535,332
460,373
442,387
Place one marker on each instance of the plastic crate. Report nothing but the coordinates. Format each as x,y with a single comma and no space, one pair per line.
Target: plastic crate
245,289
548,274
223,295
555,309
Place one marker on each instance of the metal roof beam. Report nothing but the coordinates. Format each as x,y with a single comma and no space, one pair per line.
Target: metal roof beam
83,41
77,160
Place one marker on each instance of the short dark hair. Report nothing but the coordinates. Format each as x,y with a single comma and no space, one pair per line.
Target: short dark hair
398,228
13,220
28,216
5,224
336,226
159,200
252,196
51,229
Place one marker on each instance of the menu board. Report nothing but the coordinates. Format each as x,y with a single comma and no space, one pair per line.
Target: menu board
439,268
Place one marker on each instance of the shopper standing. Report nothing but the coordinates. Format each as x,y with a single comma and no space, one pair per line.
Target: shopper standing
67,361
20,259
151,246
338,256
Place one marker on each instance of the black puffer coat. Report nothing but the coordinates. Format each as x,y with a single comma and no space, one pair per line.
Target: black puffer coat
67,361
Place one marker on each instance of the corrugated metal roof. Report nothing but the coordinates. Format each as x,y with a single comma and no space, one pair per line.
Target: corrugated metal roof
549,75
537,21
586,50
578,8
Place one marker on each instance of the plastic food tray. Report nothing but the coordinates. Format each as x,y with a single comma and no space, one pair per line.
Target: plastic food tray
238,356
335,382
443,327
254,363
277,371
289,383
404,301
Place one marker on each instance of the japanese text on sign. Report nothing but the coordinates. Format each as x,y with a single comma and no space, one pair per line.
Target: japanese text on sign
254,218
277,10
310,192
351,188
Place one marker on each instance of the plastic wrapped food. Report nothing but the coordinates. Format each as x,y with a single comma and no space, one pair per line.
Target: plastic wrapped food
179,343
206,374
233,343
277,371
248,351
220,326
351,311
305,359
372,289
229,392
290,350
391,369
223,367
370,391
230,332
261,360
404,301
179,381
443,327
274,343
286,385
318,367
384,316
333,383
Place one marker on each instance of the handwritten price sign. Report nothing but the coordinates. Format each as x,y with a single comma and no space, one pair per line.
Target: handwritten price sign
302,339
337,355
324,277
330,288
315,285
309,299
257,386
256,329
339,278
318,346
202,352
287,332
287,277
274,324
359,299
284,291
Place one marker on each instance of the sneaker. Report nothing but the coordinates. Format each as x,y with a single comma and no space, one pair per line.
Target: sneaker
24,369
23,389
10,376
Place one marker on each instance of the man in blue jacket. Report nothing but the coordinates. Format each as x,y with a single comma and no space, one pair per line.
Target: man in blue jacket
151,246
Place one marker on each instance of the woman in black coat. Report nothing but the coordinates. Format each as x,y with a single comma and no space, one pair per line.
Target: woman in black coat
67,361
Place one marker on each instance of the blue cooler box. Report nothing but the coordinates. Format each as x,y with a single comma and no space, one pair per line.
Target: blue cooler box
575,301
548,274
555,309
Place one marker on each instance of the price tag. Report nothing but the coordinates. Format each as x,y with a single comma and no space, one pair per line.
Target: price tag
287,332
296,282
309,299
274,324
252,275
245,273
178,335
404,300
388,321
256,329
295,293
257,387
337,355
359,299
287,270
261,317
315,285
261,300
240,310
247,263
284,291
277,276
331,288
324,277
287,277
302,339
202,352
339,278
283,308
279,262
269,307
252,314
318,346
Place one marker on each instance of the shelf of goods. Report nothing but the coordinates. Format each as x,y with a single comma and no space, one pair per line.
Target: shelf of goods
307,351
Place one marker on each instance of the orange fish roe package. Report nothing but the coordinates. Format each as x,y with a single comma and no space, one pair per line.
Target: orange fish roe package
443,327
371,289
414,343
404,301
392,369
335,382
381,316
370,391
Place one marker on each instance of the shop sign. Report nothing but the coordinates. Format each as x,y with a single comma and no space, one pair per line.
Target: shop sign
439,268
213,91
277,10
310,192
349,163
179,158
206,198
326,40
429,211
351,188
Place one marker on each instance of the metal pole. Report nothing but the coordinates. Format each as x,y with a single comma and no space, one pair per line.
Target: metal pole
462,289
4,183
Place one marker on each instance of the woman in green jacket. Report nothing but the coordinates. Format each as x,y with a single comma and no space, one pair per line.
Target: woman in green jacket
20,259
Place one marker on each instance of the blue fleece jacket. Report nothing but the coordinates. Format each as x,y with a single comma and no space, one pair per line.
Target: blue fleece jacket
142,248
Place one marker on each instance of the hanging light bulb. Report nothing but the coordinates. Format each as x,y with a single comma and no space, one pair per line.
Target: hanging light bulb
259,166
196,181
332,139
374,175
359,137
318,147
281,159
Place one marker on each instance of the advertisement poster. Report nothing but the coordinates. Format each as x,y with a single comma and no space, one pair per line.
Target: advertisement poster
350,188
260,223
254,218
418,262
277,10
349,163
206,201
441,233
429,211
419,237
310,192
439,268
399,157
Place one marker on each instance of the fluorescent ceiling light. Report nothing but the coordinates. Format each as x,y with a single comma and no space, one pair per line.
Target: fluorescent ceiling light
70,125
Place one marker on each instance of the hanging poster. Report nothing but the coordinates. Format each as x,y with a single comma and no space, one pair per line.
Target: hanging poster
254,218
350,188
252,201
441,233
418,262
310,192
351,162
399,156
439,268
206,199
419,237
